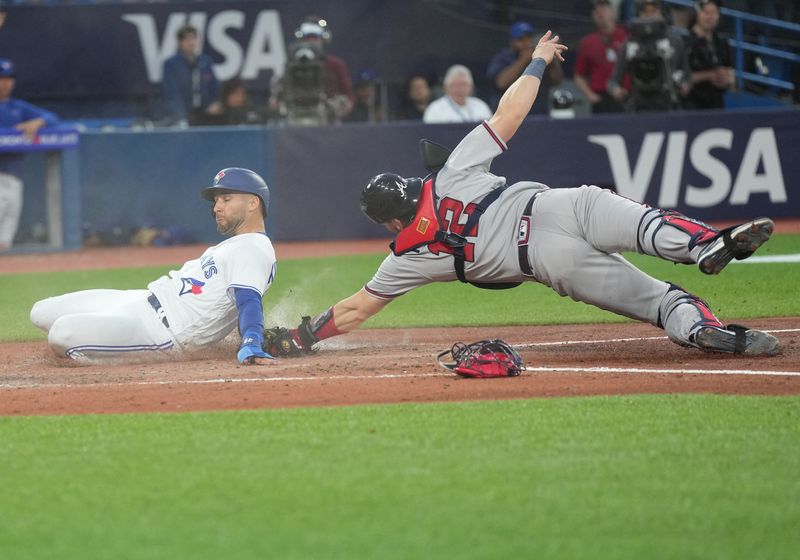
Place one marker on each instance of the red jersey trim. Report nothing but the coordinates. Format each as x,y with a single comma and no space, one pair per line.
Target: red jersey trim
492,133
379,295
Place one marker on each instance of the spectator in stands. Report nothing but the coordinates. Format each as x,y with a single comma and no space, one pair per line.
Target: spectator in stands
597,54
367,104
17,115
709,59
234,107
188,84
457,103
507,65
416,100
655,61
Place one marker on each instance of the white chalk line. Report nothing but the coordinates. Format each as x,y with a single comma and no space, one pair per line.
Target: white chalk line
769,259
541,369
607,340
221,380
604,369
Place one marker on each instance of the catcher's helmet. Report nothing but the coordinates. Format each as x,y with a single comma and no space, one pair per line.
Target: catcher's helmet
238,179
388,196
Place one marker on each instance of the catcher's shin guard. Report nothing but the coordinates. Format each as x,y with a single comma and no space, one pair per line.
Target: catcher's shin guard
672,236
681,314
738,242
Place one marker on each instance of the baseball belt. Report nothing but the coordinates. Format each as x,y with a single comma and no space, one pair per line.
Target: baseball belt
156,305
524,237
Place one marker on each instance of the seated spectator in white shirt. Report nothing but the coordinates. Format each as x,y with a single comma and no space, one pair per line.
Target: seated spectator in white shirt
457,105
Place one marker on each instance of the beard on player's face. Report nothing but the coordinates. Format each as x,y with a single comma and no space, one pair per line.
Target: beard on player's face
231,217
229,226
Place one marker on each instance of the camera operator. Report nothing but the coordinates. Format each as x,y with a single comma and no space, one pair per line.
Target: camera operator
655,60
315,87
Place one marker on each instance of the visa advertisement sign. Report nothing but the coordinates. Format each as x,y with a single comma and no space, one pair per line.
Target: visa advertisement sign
246,48
759,168
713,165
119,49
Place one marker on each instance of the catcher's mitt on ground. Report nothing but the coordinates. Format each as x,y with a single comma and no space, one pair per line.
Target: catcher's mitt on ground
485,358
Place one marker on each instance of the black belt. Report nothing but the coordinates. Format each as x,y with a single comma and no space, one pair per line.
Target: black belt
156,305
524,237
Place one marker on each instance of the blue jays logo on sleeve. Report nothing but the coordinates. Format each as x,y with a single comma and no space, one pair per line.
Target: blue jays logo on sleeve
191,286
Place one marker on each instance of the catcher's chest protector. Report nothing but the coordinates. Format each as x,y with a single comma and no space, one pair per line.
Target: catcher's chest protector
425,228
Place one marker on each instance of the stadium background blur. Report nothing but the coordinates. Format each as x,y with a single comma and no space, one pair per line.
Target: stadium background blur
98,65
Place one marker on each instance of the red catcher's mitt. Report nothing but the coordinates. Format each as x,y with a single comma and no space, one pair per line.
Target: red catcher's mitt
485,358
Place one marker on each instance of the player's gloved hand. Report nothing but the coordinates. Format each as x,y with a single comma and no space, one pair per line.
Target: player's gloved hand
280,341
249,352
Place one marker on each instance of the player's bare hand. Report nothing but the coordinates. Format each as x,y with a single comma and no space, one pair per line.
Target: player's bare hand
252,354
549,47
260,362
31,127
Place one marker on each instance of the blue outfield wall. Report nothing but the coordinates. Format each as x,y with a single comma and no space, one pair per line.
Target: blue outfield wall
710,165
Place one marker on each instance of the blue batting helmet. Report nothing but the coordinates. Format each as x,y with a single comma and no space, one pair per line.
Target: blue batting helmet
238,179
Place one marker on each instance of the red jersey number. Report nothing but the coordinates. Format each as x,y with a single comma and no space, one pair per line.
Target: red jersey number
450,211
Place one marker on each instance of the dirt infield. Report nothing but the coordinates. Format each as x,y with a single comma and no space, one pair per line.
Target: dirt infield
388,366
376,366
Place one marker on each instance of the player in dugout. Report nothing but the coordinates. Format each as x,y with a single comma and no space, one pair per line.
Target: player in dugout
566,238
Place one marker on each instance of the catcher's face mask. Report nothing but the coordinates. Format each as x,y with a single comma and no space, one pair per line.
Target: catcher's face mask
485,358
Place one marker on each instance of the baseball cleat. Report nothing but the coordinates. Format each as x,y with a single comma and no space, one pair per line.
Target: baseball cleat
736,339
738,242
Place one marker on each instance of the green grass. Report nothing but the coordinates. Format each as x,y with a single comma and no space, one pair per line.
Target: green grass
308,286
628,477
619,477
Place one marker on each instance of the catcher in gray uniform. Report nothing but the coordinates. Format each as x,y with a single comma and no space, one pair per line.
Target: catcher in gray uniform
462,222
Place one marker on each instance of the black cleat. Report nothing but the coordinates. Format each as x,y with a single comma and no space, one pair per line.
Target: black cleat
738,242
736,339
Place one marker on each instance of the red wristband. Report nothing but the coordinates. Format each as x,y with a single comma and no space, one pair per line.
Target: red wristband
328,328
